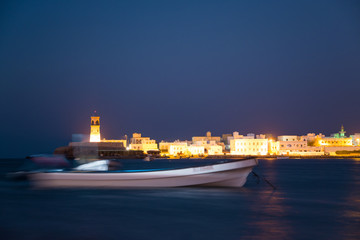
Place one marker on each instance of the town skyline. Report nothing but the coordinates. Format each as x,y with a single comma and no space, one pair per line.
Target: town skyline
269,132
208,145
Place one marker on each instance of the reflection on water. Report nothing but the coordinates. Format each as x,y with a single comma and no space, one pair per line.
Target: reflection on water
314,199
270,212
352,202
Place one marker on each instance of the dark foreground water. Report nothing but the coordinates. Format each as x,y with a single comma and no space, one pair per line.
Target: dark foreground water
315,199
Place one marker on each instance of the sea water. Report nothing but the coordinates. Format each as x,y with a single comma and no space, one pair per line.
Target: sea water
313,199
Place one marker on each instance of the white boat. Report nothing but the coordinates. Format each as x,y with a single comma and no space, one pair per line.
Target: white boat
228,174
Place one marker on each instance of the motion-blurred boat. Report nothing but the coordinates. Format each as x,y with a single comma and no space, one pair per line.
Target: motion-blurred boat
232,173
40,163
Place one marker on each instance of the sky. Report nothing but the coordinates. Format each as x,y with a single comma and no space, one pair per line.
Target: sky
176,69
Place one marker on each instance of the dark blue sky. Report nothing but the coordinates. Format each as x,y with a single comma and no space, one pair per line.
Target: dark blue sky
174,69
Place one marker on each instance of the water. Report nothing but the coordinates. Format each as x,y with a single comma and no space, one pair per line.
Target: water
314,199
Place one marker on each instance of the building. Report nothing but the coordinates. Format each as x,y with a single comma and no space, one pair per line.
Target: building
178,148
288,138
210,147
95,133
182,148
208,137
95,128
137,142
249,145
95,147
164,147
225,138
189,149
274,147
355,139
292,145
196,150
123,142
335,140
339,143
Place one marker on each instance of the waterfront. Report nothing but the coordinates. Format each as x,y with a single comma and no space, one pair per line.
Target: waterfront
315,198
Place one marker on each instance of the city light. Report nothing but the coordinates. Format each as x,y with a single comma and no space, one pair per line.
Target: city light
234,144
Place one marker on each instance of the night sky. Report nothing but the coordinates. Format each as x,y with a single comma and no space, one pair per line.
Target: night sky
175,69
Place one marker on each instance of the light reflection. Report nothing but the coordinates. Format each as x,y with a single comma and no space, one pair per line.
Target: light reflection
270,213
352,204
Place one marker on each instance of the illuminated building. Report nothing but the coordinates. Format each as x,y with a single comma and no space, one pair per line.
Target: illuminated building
288,138
188,149
95,133
196,150
210,147
274,147
339,142
356,139
178,148
95,147
164,147
183,148
293,145
248,145
213,149
95,128
122,142
137,142
336,140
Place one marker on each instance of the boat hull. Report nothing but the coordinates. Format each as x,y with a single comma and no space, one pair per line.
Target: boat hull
230,174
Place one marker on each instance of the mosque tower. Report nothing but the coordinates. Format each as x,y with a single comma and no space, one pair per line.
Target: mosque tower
95,128
342,132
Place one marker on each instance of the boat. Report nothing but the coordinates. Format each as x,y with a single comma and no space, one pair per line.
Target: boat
40,163
229,173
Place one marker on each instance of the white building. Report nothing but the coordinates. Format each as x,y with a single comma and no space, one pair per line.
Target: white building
355,139
164,147
214,149
178,148
137,142
248,145
187,148
274,147
297,146
210,147
196,150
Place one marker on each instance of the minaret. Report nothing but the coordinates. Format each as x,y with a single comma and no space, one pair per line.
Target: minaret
342,132
95,128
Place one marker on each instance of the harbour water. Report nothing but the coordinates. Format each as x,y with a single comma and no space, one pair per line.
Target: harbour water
314,199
